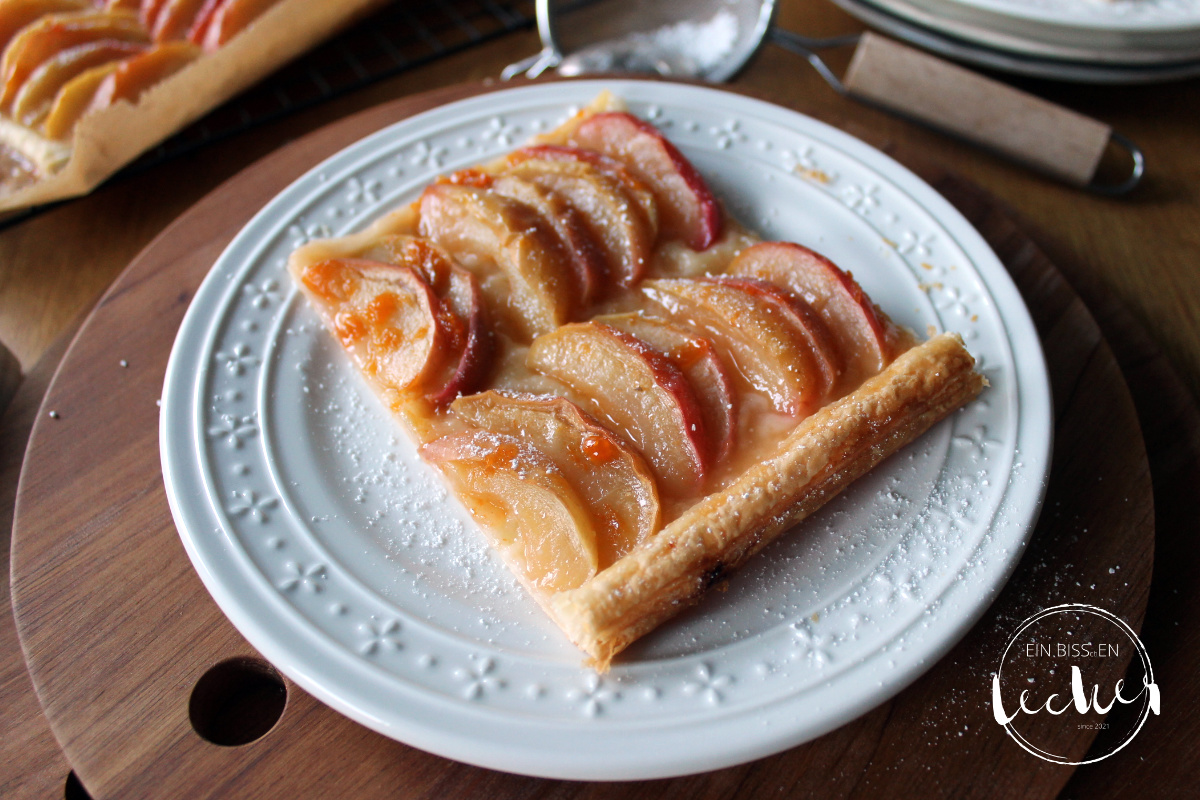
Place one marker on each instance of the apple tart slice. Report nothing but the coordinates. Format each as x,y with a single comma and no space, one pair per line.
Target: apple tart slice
628,390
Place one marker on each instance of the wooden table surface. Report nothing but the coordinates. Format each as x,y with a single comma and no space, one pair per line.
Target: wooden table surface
1138,258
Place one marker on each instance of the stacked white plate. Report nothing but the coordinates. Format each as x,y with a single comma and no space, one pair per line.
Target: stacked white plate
1097,41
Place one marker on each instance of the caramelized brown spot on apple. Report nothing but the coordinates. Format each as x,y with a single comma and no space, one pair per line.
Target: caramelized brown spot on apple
469,177
381,308
501,456
428,261
389,339
600,450
350,328
329,281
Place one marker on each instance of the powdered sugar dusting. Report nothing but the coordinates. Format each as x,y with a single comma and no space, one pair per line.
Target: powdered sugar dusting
686,48
372,587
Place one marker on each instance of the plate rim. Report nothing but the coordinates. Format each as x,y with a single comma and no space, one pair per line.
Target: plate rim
1014,63
511,761
1041,45
1053,17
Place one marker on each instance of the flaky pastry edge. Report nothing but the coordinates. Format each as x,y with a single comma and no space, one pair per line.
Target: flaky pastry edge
824,453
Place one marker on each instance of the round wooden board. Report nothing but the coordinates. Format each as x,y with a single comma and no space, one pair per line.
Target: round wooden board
117,628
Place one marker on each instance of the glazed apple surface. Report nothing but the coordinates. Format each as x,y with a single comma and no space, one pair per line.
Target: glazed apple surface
594,355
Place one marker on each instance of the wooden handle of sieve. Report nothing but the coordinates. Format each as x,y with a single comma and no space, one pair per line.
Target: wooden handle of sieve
1049,138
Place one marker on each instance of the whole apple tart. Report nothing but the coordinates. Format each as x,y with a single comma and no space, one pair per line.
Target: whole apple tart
87,85
630,392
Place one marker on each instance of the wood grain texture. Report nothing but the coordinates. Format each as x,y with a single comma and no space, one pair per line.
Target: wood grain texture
1160,762
10,376
31,764
1048,137
117,627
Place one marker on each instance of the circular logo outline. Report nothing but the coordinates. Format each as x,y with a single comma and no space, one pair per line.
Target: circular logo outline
1150,691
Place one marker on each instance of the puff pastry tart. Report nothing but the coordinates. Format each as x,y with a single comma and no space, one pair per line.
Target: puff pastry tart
63,59
87,85
629,391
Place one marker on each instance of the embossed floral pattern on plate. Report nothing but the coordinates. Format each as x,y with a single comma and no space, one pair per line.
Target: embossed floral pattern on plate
343,558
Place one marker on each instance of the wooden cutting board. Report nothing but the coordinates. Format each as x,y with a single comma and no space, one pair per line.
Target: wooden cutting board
118,630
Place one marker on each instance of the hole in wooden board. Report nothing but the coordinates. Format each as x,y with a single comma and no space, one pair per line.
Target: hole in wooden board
237,702
73,789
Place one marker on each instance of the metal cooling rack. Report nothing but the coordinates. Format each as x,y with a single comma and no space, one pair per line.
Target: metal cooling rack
402,35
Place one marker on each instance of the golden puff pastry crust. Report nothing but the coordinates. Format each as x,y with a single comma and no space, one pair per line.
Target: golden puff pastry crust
795,451
825,453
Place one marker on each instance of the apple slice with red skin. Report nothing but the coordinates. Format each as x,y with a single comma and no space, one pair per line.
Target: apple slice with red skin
778,344
636,189
19,13
475,360
174,19
386,316
824,351
461,308
865,337
137,74
583,253
487,232
225,21
612,214
637,392
525,502
688,208
204,18
148,11
612,479
35,98
700,363
39,41
74,99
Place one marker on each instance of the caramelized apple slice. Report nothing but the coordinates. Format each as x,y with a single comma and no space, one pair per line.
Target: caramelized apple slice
525,502
73,99
613,216
16,14
41,40
699,362
100,87
635,389
462,308
474,362
689,210
174,19
582,252
203,19
827,359
33,100
486,232
386,316
231,18
614,169
137,74
865,338
612,480
776,342
148,11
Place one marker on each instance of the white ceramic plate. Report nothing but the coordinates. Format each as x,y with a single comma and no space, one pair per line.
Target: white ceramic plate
1025,39
1018,63
1154,19
341,557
